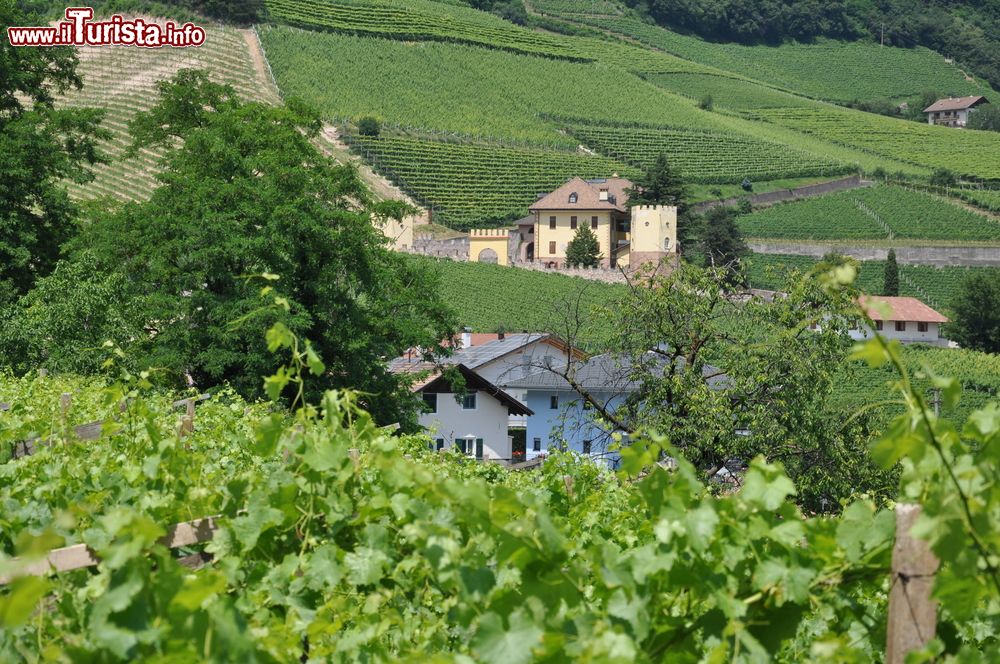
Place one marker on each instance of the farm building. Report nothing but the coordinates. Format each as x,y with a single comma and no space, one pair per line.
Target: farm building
953,111
906,319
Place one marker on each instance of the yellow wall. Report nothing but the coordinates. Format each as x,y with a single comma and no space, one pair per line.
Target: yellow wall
400,233
562,234
652,226
489,238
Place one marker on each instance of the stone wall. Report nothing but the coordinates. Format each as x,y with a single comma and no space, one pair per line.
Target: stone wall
606,275
937,256
771,197
454,248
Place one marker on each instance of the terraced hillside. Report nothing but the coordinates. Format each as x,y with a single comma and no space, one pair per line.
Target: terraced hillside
466,183
703,156
877,213
122,80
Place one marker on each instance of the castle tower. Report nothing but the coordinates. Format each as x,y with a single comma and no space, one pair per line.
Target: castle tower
654,235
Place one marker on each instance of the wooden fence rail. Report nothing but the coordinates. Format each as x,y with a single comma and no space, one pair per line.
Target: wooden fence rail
80,556
92,430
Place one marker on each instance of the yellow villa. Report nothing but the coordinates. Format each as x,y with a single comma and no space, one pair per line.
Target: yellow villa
627,237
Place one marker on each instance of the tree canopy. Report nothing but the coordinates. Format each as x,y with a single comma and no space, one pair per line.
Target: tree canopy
39,147
245,193
977,314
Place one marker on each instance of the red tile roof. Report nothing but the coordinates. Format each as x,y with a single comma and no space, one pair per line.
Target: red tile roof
955,104
588,195
899,308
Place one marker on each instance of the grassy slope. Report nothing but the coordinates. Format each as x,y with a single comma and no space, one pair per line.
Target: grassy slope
122,80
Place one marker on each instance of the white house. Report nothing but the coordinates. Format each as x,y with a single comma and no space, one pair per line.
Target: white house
953,111
906,319
473,419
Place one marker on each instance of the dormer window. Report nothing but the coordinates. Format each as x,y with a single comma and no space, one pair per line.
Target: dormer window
572,197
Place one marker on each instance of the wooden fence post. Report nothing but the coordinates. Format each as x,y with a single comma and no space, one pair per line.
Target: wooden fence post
355,456
187,423
568,481
912,612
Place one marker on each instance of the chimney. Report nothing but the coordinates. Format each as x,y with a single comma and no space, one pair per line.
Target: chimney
604,194
466,337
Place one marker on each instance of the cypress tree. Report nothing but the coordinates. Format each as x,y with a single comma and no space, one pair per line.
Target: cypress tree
891,285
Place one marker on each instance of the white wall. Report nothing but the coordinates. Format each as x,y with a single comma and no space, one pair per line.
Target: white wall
488,421
911,335
517,365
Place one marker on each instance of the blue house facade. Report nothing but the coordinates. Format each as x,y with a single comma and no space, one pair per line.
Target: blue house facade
563,420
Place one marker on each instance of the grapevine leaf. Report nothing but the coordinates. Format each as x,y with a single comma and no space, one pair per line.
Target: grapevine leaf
18,605
496,645
365,566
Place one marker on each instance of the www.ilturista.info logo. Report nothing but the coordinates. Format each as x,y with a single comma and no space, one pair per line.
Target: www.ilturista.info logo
79,30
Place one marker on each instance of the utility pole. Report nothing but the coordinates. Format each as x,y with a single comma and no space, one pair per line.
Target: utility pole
882,38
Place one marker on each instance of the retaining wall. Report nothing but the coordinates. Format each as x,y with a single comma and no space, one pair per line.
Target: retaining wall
937,256
771,197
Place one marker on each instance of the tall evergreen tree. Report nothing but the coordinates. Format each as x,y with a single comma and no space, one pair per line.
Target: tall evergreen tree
662,185
722,242
584,250
890,286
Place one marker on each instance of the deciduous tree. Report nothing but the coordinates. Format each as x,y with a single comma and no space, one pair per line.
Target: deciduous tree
977,314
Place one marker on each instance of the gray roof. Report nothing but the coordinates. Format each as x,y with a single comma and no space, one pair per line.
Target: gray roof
476,356
607,373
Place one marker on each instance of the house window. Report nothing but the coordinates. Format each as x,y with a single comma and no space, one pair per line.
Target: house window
440,444
431,400
593,222
552,221
554,402
922,327
469,401
572,223
462,444
572,197
901,326
878,325
624,226
552,247
586,447
479,448
536,445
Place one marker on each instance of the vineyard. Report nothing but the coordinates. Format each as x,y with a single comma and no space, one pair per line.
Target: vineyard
888,72
492,297
705,156
971,153
467,185
248,532
461,88
978,373
871,213
417,19
122,81
937,286
730,93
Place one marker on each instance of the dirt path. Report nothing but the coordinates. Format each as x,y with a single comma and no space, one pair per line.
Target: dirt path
259,63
